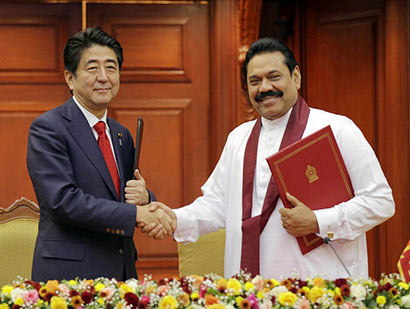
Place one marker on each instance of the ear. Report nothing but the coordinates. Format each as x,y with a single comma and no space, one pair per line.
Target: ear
69,79
297,77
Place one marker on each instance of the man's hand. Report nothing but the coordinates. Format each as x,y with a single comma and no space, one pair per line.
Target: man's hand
153,230
157,223
135,191
299,220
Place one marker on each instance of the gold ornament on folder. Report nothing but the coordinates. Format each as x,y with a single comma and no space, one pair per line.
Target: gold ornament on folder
311,174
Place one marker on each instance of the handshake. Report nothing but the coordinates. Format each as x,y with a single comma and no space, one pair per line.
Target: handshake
157,220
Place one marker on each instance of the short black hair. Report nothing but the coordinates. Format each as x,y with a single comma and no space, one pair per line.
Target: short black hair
85,39
267,45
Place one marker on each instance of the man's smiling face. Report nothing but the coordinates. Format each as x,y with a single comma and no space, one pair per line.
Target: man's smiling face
96,80
272,89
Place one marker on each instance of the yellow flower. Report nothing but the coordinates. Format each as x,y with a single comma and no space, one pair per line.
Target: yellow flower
150,289
234,286
168,302
249,286
194,295
124,289
337,291
381,300
184,299
4,306
238,300
99,286
6,290
52,286
72,282
403,285
319,282
260,295
19,301
275,282
287,299
58,303
76,301
315,293
43,291
221,284
216,306
100,300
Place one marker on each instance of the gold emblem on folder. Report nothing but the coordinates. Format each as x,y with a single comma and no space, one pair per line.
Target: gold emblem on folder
311,174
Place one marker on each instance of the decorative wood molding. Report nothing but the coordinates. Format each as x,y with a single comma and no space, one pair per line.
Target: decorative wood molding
249,19
22,208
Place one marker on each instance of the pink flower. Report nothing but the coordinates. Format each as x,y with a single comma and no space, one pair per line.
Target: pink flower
64,290
202,290
304,304
145,300
31,296
162,290
253,301
347,305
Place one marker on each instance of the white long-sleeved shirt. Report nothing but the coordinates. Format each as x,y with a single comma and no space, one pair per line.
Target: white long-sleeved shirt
220,206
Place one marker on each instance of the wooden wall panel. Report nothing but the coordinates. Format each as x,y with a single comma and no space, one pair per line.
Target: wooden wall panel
356,63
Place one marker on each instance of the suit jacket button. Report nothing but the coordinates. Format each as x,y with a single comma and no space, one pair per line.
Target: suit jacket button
121,251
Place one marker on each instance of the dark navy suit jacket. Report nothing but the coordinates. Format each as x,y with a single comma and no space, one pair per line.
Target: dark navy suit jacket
84,231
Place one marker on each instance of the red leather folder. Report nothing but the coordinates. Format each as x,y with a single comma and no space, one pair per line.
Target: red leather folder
312,170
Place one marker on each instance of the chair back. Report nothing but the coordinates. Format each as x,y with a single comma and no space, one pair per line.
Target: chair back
18,232
204,256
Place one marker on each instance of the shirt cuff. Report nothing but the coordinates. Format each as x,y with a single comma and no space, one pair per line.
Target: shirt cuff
328,222
184,226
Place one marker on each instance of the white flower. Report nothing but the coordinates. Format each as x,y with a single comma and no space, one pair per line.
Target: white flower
405,301
358,291
17,293
394,307
266,305
279,290
133,284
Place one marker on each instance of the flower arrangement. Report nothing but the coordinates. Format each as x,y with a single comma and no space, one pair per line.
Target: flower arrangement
211,291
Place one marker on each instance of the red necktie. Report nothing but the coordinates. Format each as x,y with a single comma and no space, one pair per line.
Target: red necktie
105,147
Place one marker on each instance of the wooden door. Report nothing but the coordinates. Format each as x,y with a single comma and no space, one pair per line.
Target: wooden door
356,63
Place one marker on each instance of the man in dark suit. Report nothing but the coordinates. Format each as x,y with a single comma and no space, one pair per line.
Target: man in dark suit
81,165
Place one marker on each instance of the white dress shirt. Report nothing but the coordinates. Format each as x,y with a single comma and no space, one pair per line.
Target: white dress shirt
220,206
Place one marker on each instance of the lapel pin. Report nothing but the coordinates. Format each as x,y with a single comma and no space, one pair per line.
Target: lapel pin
120,138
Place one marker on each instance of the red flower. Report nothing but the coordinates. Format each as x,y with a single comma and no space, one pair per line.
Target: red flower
345,290
294,290
34,284
73,293
48,296
340,282
131,299
15,306
86,297
273,299
301,284
162,281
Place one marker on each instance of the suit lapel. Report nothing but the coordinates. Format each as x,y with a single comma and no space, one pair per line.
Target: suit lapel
80,130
